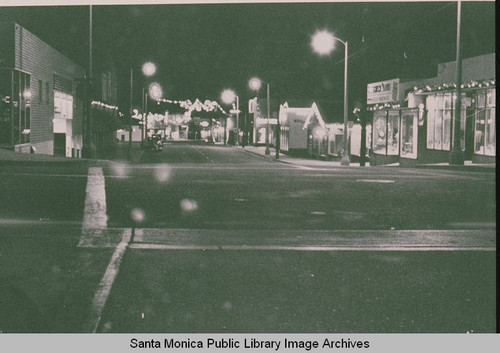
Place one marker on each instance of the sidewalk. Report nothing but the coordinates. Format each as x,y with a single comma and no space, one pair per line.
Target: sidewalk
118,152
284,158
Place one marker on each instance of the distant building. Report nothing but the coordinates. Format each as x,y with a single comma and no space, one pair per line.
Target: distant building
303,131
259,123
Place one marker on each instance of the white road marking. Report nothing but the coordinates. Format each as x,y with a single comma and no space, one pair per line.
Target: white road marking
94,216
106,283
476,225
63,175
382,181
139,235
153,246
320,213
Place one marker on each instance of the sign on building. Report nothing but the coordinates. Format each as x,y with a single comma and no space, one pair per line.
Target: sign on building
383,92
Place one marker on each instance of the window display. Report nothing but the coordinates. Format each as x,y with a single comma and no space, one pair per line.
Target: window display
430,104
484,135
446,139
439,120
409,131
393,134
15,115
379,132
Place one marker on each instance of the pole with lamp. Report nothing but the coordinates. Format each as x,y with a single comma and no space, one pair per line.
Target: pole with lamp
156,93
255,84
228,96
323,43
88,148
148,70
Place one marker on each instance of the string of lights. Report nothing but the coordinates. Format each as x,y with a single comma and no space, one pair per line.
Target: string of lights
207,105
453,86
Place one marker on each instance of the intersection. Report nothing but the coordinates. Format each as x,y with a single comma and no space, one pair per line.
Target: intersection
216,239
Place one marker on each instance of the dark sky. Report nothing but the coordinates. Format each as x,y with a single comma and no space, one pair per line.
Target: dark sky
202,49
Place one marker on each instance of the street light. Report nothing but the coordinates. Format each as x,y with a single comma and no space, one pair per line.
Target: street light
228,97
148,70
255,84
323,42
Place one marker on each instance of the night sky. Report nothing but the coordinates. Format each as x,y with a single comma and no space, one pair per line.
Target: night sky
202,49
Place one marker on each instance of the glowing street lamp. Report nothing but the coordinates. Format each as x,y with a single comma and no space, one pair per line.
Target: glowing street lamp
149,69
228,97
155,91
323,43
255,84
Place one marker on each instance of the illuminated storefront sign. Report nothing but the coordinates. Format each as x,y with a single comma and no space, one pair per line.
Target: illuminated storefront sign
382,92
263,121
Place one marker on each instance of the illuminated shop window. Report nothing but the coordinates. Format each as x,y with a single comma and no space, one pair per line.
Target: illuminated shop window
484,134
15,107
5,108
409,130
393,134
446,143
440,109
379,132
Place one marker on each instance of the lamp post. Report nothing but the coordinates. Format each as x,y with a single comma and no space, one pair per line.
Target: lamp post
228,97
255,84
148,69
89,148
323,42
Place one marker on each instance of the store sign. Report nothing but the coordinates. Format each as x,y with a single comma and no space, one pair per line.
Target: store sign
383,92
252,105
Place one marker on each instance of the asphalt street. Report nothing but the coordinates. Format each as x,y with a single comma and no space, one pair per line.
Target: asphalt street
204,238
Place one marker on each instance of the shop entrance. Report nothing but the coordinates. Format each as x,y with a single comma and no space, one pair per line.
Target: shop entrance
59,145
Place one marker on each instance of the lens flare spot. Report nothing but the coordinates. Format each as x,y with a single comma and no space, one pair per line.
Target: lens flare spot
162,173
120,169
138,215
188,205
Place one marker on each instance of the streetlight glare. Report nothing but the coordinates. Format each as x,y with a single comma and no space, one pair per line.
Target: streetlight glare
149,69
155,91
228,96
323,42
255,83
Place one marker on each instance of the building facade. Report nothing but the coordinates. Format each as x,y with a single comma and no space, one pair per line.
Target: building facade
413,121
41,109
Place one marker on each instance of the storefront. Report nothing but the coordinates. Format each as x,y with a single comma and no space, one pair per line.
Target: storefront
394,135
176,126
40,110
422,132
261,125
15,108
295,136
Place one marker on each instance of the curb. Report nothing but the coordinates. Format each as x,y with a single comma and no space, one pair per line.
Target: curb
270,158
467,168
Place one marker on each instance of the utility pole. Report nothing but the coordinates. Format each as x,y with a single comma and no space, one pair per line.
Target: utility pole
88,148
131,113
456,154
